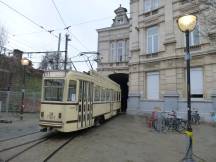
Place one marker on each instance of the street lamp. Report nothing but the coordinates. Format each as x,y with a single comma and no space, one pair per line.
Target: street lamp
187,24
24,63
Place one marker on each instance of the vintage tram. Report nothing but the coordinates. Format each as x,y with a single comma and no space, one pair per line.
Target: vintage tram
73,100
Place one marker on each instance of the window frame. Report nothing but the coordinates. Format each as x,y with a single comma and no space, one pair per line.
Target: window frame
76,90
153,49
152,5
147,85
52,90
192,36
195,96
119,50
97,89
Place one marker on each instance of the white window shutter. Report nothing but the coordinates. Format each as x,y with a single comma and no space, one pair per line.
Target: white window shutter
153,85
196,81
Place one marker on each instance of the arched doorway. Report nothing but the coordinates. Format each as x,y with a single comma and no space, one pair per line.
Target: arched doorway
122,80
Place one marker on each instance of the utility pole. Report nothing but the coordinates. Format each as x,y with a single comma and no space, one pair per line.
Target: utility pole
66,50
58,54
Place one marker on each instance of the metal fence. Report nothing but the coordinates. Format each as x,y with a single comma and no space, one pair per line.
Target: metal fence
11,101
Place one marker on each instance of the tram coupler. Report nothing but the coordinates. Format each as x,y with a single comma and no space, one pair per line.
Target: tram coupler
43,130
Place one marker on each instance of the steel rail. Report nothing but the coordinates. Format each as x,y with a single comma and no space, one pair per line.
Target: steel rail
8,139
26,149
59,148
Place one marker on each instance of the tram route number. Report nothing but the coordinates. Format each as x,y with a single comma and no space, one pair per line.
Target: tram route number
51,116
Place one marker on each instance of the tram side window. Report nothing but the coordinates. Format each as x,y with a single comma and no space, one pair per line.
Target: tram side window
112,95
97,93
72,91
53,89
107,95
103,95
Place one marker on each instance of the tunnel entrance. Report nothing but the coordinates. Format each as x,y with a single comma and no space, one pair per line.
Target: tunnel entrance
122,80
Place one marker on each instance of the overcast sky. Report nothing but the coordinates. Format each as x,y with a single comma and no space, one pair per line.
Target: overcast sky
84,16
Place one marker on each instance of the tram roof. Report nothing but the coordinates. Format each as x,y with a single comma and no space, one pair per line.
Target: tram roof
93,75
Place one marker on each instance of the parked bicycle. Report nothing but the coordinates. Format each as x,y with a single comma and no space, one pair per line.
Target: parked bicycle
171,122
195,117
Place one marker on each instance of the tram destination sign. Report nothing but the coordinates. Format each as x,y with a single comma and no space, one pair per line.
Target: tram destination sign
55,74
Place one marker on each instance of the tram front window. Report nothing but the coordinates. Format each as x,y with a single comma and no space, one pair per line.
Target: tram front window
53,89
72,91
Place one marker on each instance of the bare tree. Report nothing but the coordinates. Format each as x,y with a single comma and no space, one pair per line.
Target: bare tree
3,39
51,61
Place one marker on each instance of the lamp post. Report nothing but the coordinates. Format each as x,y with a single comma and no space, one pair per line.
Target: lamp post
24,62
187,24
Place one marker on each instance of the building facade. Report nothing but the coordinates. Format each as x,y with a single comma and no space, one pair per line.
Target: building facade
156,63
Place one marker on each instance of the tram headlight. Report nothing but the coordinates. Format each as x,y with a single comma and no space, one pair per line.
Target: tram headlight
42,114
59,115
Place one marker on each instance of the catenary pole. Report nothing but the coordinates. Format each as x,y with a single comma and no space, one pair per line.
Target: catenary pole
66,50
58,53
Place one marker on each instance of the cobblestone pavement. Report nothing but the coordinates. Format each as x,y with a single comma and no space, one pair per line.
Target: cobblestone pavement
124,138
18,127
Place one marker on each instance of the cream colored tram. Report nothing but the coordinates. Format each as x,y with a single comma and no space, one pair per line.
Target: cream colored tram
72,100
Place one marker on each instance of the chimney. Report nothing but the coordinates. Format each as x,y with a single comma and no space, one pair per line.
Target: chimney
17,54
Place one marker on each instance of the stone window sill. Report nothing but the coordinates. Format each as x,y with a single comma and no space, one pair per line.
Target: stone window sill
152,55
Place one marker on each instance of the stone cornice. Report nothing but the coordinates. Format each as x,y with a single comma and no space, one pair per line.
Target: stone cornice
114,28
194,55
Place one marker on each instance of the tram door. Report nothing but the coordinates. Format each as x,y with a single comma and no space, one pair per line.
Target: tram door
85,104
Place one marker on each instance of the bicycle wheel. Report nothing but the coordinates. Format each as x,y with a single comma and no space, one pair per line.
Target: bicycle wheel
159,125
181,126
169,123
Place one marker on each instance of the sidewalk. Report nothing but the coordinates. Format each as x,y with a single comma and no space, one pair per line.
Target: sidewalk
11,124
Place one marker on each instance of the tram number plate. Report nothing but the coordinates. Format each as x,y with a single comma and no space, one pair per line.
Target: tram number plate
51,116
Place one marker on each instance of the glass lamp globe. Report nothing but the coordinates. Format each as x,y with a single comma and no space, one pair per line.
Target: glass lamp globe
24,61
187,23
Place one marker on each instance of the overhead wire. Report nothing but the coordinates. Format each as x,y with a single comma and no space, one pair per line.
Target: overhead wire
67,27
61,29
32,21
59,13
27,18
19,45
21,41
77,61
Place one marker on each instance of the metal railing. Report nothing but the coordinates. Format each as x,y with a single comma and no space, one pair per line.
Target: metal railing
11,101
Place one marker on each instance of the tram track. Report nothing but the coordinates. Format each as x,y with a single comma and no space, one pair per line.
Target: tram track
59,148
16,137
37,142
26,149
22,144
